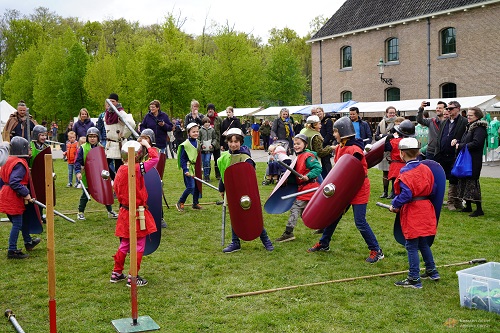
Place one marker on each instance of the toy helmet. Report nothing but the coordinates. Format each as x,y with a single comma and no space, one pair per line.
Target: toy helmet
345,127
302,137
19,146
406,128
149,133
37,130
191,125
139,149
234,131
312,120
409,143
94,131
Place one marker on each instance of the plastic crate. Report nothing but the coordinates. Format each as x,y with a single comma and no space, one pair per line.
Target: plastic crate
480,287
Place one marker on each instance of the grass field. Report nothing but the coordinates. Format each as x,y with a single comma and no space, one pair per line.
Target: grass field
189,277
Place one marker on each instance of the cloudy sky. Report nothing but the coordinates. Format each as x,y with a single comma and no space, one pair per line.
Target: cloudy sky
255,16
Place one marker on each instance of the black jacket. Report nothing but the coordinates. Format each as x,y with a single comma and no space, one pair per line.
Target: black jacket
474,137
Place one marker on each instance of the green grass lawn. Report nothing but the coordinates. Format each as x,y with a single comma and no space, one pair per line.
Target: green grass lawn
189,277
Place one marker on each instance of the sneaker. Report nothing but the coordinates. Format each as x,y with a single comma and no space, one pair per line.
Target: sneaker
375,256
79,185
31,245
319,247
268,245
409,283
117,277
69,185
318,232
80,216
112,215
285,237
179,206
139,281
163,223
197,207
16,254
233,247
432,274
383,196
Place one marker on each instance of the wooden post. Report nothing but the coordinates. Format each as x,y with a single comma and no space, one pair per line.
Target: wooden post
51,246
132,232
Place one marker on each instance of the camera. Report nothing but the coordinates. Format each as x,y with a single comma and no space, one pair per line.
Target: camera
427,104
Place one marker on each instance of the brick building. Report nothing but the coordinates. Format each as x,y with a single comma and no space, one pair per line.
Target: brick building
430,49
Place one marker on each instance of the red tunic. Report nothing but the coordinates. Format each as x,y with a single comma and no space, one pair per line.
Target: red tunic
418,218
396,162
300,167
121,189
363,195
10,202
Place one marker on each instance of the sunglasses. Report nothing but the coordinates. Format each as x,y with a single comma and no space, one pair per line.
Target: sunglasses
451,108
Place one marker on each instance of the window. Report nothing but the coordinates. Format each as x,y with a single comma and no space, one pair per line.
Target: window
448,41
449,90
392,47
392,94
346,96
346,57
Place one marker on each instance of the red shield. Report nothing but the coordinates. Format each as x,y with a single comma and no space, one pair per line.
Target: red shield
274,204
161,164
198,172
38,176
376,154
99,188
335,193
243,200
154,189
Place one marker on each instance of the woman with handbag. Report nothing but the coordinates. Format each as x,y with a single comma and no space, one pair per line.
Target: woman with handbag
474,138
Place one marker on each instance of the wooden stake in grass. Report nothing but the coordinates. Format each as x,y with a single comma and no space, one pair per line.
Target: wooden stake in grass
251,293
132,231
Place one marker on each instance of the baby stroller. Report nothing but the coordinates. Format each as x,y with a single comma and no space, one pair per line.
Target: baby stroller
274,170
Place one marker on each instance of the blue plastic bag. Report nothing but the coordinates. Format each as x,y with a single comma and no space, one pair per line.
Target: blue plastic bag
463,164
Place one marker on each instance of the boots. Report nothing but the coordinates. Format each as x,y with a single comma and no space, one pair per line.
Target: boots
478,211
454,202
468,207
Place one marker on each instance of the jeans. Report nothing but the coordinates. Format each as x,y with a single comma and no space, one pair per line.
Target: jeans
235,239
205,159
17,225
364,228
191,188
412,247
71,169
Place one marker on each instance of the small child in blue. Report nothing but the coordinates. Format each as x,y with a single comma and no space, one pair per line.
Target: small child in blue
187,154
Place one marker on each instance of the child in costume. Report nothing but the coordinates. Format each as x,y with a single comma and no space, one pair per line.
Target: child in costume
307,165
344,133
92,142
187,154
208,142
413,187
121,187
14,179
70,155
237,153
38,142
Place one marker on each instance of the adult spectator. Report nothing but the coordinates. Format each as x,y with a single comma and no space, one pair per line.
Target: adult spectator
450,129
230,122
433,125
82,124
384,127
194,116
116,133
254,130
328,139
298,126
474,138
216,124
159,122
53,128
265,133
361,127
16,125
282,128
179,133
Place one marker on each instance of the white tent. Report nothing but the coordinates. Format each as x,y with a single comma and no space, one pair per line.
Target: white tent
238,112
275,110
410,107
5,111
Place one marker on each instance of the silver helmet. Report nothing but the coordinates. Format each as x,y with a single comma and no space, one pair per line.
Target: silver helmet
19,146
345,127
408,143
140,150
37,130
150,134
95,131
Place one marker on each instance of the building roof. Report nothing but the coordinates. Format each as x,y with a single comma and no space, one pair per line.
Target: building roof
359,15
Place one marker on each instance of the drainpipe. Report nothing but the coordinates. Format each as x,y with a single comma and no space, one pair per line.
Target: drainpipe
428,58
320,72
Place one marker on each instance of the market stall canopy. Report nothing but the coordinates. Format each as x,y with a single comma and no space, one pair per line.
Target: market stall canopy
5,111
328,108
275,110
238,112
